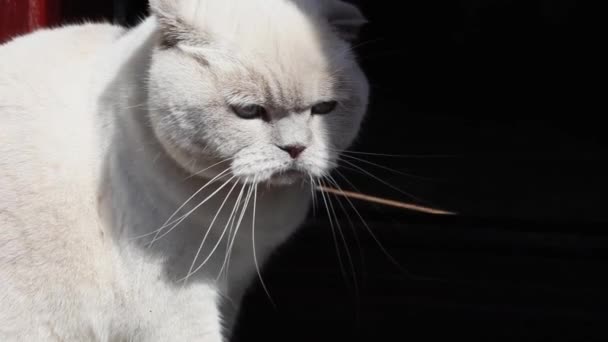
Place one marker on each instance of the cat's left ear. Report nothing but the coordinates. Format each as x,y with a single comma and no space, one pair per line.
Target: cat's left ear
173,28
347,19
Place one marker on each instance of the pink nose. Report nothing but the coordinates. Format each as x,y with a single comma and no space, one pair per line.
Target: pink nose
293,150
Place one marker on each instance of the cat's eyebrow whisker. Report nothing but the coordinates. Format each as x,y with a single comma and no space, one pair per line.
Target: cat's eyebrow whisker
200,248
255,258
219,241
185,216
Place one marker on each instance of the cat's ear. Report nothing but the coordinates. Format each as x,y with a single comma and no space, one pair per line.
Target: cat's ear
173,28
347,19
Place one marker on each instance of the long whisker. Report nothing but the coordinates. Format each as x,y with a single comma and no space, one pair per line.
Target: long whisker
313,194
352,226
384,201
408,156
233,227
255,257
218,176
335,238
385,167
236,230
219,241
346,167
374,237
208,168
344,242
232,223
200,248
184,217
383,181
168,222
350,221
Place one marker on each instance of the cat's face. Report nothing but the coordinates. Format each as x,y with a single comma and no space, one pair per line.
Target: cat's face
273,102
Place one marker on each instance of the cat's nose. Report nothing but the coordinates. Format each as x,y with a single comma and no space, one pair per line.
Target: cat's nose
293,150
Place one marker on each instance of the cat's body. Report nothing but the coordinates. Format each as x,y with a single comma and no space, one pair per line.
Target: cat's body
89,172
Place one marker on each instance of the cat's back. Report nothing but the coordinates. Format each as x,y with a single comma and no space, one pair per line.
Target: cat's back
49,147
51,66
47,123
44,52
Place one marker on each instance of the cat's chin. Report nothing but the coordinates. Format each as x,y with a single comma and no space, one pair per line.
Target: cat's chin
286,178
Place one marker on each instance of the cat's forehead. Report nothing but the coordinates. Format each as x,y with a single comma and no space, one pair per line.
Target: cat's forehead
289,69
274,85
275,50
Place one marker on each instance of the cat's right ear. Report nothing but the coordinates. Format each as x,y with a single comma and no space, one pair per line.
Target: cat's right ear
347,19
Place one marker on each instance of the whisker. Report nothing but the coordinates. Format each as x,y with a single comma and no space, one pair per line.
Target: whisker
313,194
384,201
232,222
408,156
220,175
351,223
353,229
375,238
345,243
236,230
169,222
385,167
335,238
255,258
383,181
208,168
200,248
219,241
184,217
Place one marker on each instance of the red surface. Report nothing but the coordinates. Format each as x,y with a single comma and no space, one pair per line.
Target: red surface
22,16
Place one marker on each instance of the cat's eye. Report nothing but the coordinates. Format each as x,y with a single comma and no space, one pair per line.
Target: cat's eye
324,107
249,111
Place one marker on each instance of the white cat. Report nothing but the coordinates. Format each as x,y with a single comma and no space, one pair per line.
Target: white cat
105,132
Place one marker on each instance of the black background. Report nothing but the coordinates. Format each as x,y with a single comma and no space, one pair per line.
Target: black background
500,102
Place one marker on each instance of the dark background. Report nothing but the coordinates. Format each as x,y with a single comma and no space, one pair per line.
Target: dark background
499,101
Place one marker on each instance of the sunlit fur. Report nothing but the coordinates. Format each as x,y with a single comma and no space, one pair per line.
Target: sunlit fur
128,184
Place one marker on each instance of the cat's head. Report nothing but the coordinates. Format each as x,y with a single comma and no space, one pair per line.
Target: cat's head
270,87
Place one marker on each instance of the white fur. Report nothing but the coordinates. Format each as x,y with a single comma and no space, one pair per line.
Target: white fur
102,135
